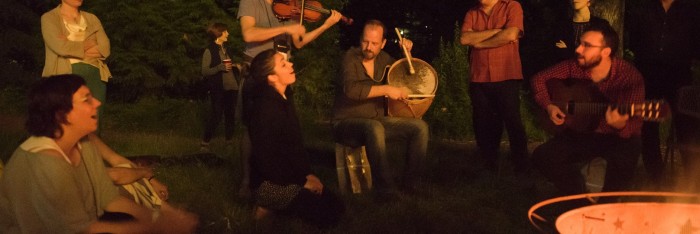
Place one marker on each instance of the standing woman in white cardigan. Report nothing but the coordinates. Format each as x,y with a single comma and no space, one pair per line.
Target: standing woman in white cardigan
77,44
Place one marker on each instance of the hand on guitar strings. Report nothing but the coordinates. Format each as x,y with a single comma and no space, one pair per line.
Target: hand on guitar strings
555,114
615,119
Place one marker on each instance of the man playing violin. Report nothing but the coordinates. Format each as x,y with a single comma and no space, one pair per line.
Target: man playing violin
262,30
616,136
359,111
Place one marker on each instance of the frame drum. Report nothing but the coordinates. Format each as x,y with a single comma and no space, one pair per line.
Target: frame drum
422,85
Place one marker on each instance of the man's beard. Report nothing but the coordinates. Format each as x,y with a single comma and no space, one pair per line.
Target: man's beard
591,64
368,54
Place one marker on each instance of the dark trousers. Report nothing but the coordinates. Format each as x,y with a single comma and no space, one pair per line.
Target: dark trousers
223,103
323,210
493,105
560,160
662,81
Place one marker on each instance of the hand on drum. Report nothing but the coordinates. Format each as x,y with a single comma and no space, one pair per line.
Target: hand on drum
397,93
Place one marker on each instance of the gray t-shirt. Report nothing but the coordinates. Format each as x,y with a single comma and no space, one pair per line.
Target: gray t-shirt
264,18
44,194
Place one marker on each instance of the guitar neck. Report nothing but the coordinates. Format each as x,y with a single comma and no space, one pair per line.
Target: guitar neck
597,109
651,111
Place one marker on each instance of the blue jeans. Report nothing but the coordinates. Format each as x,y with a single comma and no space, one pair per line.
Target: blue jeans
373,133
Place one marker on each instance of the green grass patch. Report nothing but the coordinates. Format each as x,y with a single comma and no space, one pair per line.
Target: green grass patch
458,196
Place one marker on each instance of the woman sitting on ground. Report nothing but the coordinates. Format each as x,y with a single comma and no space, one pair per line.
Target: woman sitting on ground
281,176
56,181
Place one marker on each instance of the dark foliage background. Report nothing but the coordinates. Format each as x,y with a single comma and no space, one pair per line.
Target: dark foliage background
157,47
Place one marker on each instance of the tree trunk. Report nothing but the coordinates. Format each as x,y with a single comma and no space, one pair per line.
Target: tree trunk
614,12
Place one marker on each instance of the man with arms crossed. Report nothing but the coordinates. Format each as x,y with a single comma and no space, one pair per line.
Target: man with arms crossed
492,30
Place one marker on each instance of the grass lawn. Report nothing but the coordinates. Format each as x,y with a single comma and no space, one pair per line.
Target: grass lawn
459,196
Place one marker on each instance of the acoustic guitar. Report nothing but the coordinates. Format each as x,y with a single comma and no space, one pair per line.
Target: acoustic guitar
585,106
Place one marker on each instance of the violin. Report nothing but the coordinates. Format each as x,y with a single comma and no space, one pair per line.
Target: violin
291,9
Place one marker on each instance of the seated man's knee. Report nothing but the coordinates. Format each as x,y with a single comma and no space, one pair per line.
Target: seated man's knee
374,129
422,128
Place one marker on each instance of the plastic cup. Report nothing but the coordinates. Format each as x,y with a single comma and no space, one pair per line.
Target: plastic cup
227,63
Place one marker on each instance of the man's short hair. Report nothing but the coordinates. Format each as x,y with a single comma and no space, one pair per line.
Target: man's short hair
376,23
610,37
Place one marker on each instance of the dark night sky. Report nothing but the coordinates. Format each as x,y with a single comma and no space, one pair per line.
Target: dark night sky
427,20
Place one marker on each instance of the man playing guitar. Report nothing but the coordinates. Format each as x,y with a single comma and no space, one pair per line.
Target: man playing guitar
616,137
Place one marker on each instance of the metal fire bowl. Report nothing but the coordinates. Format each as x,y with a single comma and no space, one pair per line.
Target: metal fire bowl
629,217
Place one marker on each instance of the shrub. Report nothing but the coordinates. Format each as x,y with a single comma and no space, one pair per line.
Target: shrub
450,116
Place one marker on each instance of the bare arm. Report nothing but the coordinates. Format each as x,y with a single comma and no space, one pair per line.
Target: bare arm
501,38
119,175
311,36
389,91
124,175
252,33
113,158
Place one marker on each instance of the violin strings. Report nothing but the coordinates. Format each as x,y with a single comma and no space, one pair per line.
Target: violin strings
317,9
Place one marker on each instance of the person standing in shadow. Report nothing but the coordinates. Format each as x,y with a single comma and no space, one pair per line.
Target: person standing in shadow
217,69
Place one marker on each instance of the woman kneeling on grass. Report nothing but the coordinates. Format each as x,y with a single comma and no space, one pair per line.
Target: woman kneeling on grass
56,181
280,169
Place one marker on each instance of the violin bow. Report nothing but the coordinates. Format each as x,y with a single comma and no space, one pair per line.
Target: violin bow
301,17
405,51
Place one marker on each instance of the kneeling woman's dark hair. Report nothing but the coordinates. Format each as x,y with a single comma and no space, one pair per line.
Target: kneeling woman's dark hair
262,65
50,100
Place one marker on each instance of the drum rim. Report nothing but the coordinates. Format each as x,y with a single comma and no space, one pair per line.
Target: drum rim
437,80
